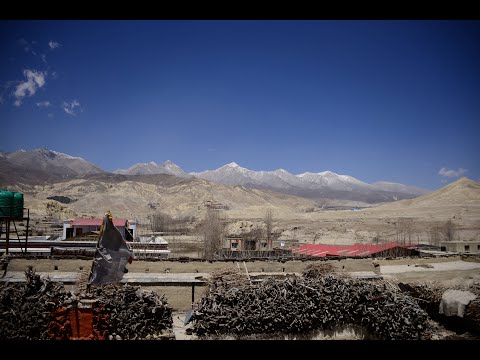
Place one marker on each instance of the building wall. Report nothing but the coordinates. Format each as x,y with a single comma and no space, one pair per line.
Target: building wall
397,251
472,247
66,225
87,228
246,244
132,228
233,244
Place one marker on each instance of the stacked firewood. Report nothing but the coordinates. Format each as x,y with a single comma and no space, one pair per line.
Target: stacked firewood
430,295
226,278
128,313
317,270
40,310
25,309
300,305
472,313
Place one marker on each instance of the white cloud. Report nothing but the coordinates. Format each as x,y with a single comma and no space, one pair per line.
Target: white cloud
53,44
451,173
44,58
72,108
35,80
43,103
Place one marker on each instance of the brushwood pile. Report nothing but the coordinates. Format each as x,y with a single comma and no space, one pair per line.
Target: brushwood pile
40,309
319,300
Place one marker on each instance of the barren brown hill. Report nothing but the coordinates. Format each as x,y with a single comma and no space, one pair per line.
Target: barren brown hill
458,202
462,192
139,196
299,219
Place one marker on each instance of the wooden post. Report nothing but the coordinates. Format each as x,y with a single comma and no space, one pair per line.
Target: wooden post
7,227
193,294
26,236
246,270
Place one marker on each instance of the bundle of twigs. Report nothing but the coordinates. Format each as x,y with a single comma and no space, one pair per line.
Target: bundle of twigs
41,309
305,305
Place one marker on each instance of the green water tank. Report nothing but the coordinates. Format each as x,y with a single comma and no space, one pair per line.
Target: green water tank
17,205
6,203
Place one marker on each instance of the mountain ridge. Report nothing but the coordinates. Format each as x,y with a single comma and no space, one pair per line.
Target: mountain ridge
43,165
326,184
167,167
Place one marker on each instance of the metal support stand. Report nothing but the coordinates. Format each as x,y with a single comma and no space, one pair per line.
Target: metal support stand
7,221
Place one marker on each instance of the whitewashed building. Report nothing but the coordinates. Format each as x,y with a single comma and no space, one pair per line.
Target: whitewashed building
79,227
471,246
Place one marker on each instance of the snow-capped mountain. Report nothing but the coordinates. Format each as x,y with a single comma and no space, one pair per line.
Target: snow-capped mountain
168,167
43,165
233,174
334,181
312,185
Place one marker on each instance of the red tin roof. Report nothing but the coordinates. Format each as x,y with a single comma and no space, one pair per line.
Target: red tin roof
342,250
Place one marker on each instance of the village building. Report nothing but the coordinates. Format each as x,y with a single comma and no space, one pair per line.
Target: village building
469,247
82,227
242,243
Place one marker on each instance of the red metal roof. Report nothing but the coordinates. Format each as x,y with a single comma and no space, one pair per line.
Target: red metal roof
342,250
96,222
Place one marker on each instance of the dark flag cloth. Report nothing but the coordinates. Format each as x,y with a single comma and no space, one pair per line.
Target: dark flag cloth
111,255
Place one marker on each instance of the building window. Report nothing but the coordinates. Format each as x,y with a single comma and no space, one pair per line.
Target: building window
478,247
234,246
467,247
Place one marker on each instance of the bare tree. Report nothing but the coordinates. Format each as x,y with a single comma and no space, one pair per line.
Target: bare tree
160,222
435,235
448,230
376,239
268,219
213,233
404,230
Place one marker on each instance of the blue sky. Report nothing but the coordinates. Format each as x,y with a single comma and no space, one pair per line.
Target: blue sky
378,100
